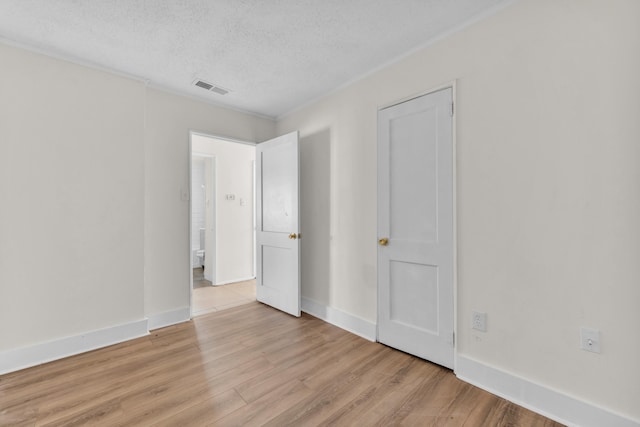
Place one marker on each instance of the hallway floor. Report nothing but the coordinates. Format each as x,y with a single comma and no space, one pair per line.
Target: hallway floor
208,299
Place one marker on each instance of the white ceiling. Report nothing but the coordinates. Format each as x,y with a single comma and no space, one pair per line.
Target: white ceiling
274,55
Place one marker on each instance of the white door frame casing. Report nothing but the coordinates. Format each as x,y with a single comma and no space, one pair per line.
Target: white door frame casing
190,225
454,97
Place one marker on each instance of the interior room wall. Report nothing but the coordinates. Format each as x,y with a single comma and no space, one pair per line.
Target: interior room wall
96,235
548,165
547,200
234,218
169,120
71,199
315,208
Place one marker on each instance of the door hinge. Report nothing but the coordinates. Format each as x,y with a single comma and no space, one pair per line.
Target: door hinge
452,109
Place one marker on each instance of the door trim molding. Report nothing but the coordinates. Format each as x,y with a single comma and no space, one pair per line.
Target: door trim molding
451,84
189,189
454,188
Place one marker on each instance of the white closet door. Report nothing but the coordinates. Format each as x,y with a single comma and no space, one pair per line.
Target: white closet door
415,226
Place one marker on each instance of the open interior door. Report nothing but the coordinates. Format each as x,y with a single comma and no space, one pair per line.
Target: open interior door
277,223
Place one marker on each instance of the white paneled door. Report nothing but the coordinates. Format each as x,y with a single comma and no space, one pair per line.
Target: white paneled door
415,227
277,224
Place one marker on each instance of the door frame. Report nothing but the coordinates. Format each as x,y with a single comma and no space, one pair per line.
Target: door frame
190,225
454,98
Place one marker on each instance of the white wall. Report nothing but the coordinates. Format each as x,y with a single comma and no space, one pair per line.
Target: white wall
548,166
168,122
548,153
102,163
315,208
71,199
234,218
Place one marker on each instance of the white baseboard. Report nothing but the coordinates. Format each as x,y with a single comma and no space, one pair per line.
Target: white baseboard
25,357
168,318
543,400
241,279
339,318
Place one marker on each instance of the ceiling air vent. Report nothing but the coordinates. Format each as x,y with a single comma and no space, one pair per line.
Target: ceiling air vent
219,90
210,87
203,85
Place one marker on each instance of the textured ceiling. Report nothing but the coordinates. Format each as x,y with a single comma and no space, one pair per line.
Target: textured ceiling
274,55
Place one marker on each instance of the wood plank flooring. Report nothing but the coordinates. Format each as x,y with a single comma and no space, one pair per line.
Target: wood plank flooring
250,365
216,298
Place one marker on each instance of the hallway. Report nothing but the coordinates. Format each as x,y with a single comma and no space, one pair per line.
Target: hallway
207,298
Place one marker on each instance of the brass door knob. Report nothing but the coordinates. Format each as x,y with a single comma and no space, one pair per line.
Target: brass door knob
383,242
293,236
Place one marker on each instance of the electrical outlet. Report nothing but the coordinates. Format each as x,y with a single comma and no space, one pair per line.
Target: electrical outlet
590,340
479,321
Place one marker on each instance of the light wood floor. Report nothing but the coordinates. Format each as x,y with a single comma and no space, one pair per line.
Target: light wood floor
245,366
207,299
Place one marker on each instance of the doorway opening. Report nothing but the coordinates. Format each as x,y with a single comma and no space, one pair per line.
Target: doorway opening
222,223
